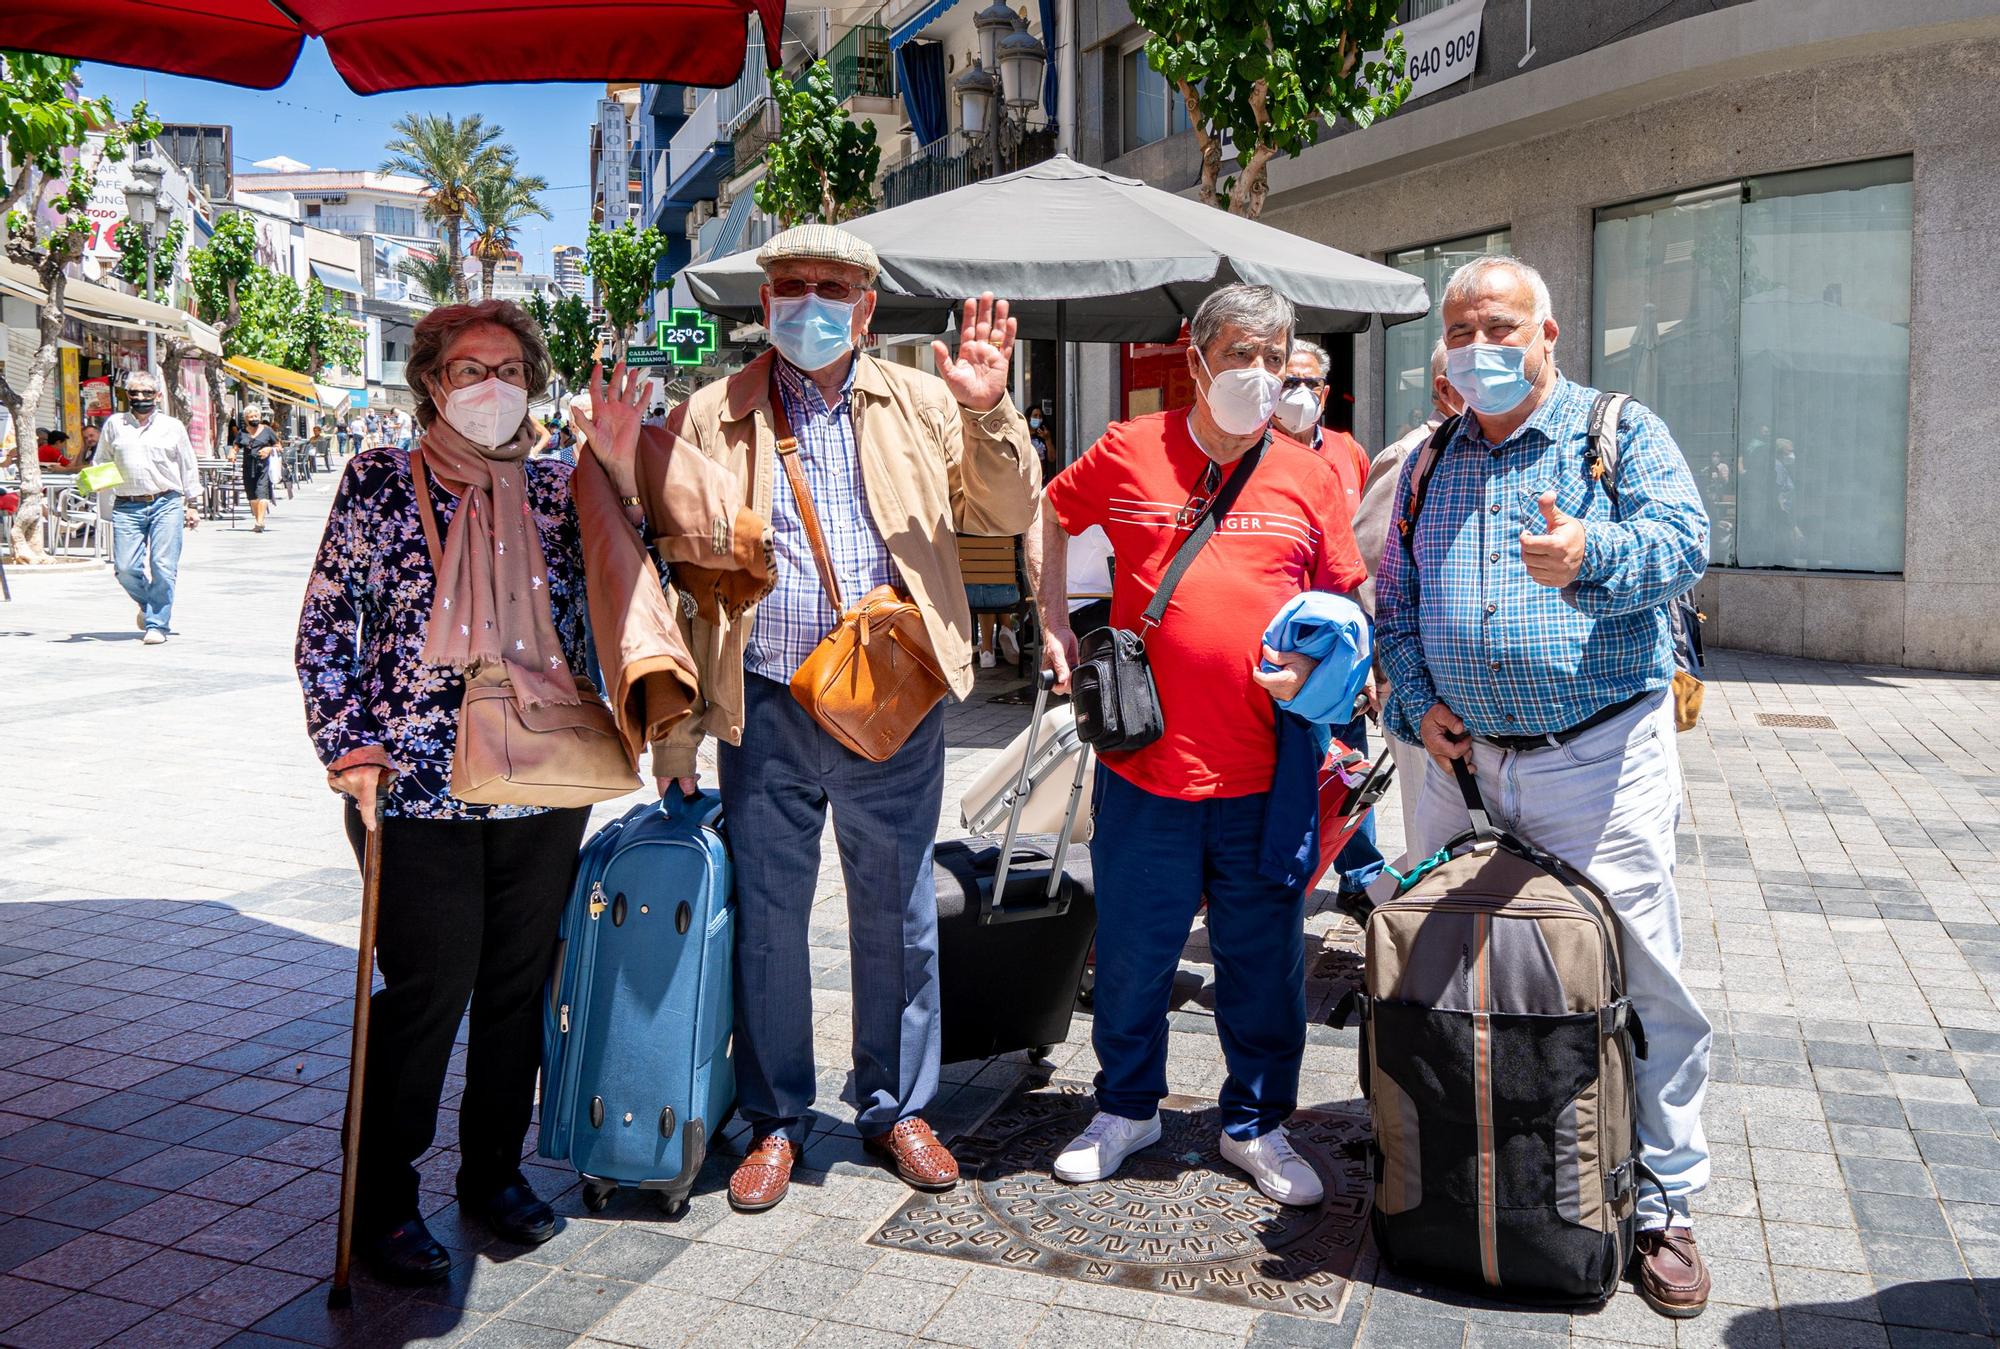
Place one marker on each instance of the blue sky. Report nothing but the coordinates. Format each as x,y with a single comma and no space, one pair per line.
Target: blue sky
315,118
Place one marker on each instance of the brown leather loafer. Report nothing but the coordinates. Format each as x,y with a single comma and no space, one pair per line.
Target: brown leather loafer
1672,1276
764,1175
914,1151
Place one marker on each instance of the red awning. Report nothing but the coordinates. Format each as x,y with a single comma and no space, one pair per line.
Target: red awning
383,45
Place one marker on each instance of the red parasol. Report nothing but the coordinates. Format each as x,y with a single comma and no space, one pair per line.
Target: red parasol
383,45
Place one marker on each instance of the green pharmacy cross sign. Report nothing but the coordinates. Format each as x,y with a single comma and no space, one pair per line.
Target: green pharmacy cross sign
688,338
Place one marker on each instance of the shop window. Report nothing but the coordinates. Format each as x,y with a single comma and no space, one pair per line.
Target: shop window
1768,322
1406,348
1154,109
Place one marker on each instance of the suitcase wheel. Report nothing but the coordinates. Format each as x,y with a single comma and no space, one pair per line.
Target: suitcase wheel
673,1205
1042,1052
597,1193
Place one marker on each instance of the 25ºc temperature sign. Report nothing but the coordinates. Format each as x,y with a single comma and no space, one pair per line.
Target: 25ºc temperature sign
689,338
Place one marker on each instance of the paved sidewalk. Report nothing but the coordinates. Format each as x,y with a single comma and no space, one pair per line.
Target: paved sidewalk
176,952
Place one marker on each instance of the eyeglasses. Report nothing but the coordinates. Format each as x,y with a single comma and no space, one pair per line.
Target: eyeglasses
464,373
1304,381
792,287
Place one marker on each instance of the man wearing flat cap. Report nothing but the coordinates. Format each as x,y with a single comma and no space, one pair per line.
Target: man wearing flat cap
896,462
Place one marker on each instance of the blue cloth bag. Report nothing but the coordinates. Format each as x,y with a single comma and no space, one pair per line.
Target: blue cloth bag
1333,630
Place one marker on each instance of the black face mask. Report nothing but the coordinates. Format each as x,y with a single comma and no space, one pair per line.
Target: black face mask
142,406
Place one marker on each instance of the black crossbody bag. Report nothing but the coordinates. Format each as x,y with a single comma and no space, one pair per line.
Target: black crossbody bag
1117,705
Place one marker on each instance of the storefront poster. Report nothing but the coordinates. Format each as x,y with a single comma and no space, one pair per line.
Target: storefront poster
1440,48
72,398
194,398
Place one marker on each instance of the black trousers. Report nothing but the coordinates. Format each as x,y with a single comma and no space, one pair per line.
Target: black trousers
469,913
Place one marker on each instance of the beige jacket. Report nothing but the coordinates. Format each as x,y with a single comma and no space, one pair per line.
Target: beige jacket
931,472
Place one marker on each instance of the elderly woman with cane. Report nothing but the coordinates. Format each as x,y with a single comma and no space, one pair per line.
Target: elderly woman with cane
450,579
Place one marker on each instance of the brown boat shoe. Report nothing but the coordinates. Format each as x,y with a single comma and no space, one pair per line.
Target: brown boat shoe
917,1156
764,1175
1672,1276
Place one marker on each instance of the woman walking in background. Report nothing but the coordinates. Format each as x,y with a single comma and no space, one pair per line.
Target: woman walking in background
471,894
257,443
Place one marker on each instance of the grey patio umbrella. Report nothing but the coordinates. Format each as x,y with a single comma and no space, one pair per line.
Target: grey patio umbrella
1085,256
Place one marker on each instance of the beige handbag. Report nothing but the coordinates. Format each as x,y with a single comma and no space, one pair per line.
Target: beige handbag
562,754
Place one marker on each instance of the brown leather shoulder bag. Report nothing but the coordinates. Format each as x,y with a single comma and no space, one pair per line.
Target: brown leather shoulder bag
567,754
874,678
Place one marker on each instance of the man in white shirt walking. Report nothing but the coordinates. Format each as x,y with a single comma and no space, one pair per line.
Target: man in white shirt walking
156,500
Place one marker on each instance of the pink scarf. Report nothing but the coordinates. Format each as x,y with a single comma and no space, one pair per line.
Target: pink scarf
491,606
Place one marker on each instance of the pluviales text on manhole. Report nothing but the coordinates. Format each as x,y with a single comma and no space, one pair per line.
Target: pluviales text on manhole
1177,1219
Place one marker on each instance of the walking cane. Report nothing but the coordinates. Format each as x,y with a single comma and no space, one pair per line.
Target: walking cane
364,981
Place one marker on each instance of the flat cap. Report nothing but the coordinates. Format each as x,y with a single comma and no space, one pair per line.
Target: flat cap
823,243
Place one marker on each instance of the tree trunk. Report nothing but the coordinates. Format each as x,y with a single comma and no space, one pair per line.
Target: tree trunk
1210,143
452,255
212,366
26,538
1254,185
487,266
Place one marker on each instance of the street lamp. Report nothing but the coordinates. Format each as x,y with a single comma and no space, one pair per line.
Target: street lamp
1023,60
142,205
976,89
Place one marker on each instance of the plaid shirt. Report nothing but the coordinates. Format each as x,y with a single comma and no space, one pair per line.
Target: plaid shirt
1467,626
796,615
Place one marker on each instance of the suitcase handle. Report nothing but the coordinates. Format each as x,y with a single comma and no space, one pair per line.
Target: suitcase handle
992,909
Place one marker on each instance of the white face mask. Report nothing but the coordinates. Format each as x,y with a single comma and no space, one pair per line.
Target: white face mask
1240,401
1298,410
487,413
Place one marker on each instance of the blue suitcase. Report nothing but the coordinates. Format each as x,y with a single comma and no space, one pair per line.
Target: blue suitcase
636,1072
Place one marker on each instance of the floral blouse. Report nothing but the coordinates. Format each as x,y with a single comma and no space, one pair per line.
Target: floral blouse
361,631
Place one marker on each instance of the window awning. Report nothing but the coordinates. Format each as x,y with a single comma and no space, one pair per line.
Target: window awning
339,278
112,308
923,19
287,386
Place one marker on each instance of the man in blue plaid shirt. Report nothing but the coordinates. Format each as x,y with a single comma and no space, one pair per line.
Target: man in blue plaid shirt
1522,623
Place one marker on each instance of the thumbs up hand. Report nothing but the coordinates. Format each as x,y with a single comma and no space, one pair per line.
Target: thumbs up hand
1553,558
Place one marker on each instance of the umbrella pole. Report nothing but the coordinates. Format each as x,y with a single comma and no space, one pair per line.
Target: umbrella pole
1068,382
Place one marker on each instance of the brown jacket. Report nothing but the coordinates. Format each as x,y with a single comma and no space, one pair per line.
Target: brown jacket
931,473
720,556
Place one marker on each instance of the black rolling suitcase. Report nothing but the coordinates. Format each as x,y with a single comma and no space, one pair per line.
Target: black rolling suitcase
1013,930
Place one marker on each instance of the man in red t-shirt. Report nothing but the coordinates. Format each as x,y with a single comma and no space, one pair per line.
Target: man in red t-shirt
1183,818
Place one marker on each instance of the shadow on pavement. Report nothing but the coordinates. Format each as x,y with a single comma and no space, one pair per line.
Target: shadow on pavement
172,1084
1917,1312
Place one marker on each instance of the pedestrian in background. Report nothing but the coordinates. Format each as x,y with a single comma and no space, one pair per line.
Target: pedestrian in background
257,444
471,894
875,441
1183,819
156,500
1524,630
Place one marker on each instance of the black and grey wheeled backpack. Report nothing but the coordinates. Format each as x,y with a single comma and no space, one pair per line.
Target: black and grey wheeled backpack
1496,1056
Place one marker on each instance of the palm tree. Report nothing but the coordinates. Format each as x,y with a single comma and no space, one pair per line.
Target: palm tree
435,276
500,203
449,154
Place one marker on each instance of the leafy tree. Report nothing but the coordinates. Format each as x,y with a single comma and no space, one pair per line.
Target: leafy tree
435,277
450,155
621,262
52,164
1268,74
501,202
222,272
320,335
822,165
133,246
571,340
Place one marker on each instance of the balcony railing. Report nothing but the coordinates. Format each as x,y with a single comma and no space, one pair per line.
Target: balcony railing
693,139
861,64
953,161
392,372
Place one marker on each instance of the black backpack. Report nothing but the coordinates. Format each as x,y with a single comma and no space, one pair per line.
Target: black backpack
1600,457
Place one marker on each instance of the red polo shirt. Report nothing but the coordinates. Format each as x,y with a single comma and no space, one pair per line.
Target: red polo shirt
1349,462
1287,533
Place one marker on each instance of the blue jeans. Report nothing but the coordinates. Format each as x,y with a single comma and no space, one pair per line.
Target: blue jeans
1360,862
1608,803
776,789
1155,857
146,547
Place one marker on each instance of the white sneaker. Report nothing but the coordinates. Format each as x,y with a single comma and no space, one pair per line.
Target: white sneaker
1280,1173
1103,1146
154,637
986,660
1010,646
